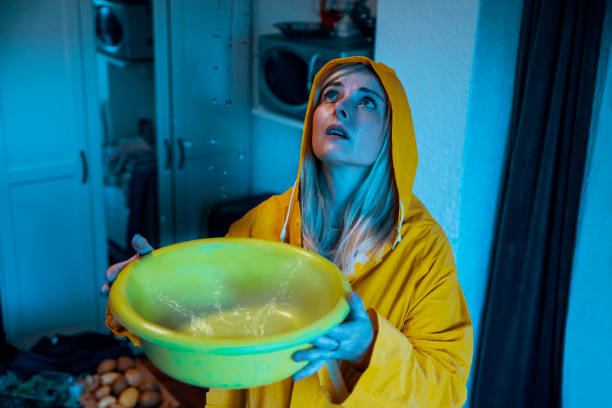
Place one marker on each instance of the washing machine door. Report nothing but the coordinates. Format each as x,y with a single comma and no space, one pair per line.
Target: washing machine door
108,28
286,78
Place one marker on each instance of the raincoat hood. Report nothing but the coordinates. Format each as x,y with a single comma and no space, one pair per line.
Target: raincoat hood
403,142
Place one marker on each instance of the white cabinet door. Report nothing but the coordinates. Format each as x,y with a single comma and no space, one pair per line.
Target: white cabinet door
49,257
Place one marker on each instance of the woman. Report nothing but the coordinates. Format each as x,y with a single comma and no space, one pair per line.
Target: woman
352,202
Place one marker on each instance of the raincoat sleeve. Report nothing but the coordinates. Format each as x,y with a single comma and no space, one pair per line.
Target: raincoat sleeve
426,362
117,329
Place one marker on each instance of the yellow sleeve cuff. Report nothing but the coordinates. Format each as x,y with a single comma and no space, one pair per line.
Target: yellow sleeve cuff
117,329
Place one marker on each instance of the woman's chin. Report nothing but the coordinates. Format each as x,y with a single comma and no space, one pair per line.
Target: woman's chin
333,156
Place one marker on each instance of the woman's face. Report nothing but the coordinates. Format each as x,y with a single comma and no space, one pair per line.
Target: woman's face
348,122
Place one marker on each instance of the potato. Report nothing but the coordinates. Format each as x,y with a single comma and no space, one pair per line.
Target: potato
129,397
124,363
133,377
109,378
150,385
91,382
119,385
102,392
106,366
150,399
88,400
106,401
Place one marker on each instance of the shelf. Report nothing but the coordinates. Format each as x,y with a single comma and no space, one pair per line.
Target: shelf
121,63
278,117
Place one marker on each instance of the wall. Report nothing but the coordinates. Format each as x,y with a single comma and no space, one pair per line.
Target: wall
430,45
456,61
488,120
587,360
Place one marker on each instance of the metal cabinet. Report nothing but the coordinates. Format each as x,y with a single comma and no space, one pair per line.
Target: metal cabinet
202,69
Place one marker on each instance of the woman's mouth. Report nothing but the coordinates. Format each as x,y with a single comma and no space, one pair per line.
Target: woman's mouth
336,130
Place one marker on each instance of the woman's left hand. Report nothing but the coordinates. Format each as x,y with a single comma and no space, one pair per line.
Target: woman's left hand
350,340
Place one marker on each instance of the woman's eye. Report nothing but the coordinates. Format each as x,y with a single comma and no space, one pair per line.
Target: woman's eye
331,95
368,102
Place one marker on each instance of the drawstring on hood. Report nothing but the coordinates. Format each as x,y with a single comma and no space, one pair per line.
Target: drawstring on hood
403,141
284,231
399,225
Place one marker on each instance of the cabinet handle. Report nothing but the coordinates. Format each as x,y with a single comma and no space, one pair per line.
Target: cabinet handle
181,154
85,170
168,154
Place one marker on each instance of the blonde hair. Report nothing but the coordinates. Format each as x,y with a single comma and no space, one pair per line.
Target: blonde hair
370,213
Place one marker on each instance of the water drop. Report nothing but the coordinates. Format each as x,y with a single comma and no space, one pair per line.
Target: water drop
213,140
216,36
241,155
228,103
211,168
214,101
229,45
215,68
244,43
224,172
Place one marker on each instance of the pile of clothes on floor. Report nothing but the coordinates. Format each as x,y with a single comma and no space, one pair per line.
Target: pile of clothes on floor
46,374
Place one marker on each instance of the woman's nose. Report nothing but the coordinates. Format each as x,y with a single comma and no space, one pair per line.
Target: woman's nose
341,110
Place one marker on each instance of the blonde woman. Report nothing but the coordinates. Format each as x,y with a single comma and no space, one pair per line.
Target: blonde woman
407,341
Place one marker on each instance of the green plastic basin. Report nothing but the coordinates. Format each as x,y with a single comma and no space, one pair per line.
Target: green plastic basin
229,312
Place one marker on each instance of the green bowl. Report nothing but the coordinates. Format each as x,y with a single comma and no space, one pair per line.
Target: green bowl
229,312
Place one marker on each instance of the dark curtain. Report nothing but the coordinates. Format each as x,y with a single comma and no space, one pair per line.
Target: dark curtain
519,361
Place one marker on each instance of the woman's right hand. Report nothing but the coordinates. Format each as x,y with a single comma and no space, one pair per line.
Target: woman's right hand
142,248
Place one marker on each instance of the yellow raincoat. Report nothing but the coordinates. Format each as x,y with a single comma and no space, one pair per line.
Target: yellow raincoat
423,344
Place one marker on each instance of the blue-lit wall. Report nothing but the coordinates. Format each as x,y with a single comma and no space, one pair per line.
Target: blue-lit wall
457,62
587,371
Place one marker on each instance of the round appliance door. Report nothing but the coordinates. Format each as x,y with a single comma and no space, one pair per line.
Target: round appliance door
286,77
109,32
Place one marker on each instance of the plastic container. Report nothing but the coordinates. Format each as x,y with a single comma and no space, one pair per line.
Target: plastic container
229,312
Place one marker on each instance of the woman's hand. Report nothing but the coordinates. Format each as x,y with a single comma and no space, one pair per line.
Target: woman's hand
142,248
351,340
